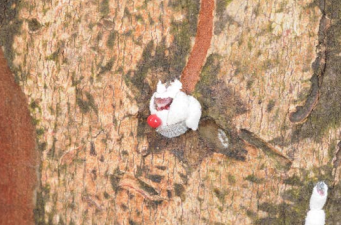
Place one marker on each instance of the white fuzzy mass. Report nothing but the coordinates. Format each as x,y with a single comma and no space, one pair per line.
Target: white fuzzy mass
173,106
316,215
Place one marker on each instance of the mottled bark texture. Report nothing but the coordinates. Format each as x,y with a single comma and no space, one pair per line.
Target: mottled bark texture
269,84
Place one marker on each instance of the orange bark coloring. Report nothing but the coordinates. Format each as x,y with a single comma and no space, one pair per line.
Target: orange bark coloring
191,73
18,158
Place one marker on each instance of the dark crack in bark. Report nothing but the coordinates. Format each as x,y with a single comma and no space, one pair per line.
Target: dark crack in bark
319,67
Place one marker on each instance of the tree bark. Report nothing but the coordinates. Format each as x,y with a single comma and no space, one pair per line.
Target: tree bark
269,83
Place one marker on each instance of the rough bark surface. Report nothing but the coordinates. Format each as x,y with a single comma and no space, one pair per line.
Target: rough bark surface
270,84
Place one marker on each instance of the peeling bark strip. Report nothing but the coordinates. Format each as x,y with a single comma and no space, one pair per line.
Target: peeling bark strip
18,159
269,150
191,73
302,112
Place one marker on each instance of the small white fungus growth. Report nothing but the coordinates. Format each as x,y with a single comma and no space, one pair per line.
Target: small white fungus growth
316,215
223,138
177,110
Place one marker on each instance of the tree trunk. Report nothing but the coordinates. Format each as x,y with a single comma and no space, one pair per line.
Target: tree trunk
267,74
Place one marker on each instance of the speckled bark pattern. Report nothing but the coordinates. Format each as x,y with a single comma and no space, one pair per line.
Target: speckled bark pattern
89,68
18,155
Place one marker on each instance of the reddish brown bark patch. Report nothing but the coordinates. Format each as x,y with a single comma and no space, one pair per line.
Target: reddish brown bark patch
18,157
191,74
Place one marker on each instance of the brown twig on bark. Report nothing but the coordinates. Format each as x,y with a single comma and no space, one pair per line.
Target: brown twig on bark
268,149
191,73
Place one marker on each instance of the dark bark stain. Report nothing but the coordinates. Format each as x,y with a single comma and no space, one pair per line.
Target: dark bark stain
155,178
269,150
169,194
222,17
270,105
92,149
33,24
218,101
267,207
147,187
333,205
179,190
115,179
132,222
94,174
220,194
294,181
184,178
161,167
252,178
9,27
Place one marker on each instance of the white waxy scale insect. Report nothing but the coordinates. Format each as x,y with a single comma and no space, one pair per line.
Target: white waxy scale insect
316,214
177,111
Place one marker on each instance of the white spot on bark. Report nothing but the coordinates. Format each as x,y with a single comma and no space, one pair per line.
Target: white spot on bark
223,138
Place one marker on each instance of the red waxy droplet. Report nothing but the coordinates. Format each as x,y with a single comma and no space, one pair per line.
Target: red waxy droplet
154,121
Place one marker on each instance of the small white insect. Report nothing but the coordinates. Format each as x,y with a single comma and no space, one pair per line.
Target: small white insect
316,215
176,110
